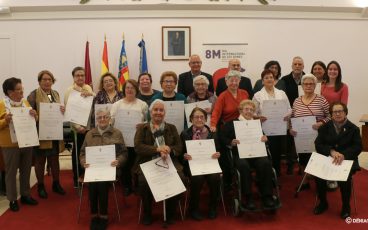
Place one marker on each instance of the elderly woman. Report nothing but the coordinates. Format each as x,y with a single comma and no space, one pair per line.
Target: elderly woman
145,87
262,165
103,134
310,104
168,82
334,90
79,76
156,139
109,93
14,157
340,139
129,102
198,131
275,67
277,143
48,149
201,93
319,71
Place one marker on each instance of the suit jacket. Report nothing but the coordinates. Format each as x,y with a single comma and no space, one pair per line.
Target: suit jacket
291,88
185,84
348,142
244,84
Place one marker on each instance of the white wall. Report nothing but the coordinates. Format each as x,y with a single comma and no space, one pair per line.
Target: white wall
59,44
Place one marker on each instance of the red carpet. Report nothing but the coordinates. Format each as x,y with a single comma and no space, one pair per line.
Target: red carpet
60,212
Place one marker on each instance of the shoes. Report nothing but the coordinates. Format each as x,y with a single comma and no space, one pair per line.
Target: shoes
332,185
41,191
268,202
13,205
103,223
249,204
147,219
196,215
28,200
345,212
305,186
56,187
95,222
320,208
212,214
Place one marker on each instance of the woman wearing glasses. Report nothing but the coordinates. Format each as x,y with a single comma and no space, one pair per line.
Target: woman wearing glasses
103,134
156,139
310,104
198,131
168,82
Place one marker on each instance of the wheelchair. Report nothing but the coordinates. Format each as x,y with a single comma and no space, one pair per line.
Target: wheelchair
236,190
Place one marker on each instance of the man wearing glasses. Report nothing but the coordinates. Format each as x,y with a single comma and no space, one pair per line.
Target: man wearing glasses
185,85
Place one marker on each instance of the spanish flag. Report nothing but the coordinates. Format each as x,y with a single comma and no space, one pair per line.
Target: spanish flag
105,59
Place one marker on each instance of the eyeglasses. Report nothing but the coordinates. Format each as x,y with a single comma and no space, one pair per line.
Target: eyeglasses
199,117
248,109
106,117
108,81
308,84
200,84
168,81
161,163
338,111
196,63
46,79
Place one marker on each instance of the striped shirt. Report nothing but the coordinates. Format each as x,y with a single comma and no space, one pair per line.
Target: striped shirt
319,107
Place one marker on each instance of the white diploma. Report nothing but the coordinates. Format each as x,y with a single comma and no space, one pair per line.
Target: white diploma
175,114
126,121
274,111
25,127
249,134
101,106
317,90
201,104
99,159
162,178
202,162
50,122
304,140
321,166
78,108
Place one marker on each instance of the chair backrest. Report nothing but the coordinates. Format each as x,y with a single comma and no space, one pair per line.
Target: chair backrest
218,74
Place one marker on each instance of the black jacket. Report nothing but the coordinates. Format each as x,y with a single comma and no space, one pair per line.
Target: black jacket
291,88
245,84
185,84
348,142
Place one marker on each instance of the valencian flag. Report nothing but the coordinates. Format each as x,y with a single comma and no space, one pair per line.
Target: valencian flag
87,67
143,68
123,66
105,59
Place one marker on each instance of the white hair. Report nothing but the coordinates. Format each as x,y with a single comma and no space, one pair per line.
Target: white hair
201,77
232,73
157,101
104,110
309,76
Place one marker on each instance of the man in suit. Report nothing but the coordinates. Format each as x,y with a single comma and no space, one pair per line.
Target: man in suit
292,81
185,84
245,83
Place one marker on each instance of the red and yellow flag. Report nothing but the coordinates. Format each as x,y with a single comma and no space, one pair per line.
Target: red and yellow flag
105,59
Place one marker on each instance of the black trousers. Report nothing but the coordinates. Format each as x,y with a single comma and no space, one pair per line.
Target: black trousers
98,197
147,198
227,165
345,190
127,169
213,182
291,155
304,158
264,175
76,152
277,146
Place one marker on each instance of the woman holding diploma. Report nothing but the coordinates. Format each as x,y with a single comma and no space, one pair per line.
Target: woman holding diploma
129,102
48,149
86,91
14,157
103,134
310,104
262,165
156,139
277,143
198,131
340,139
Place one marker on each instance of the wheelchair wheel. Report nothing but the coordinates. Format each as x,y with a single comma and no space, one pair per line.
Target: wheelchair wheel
236,207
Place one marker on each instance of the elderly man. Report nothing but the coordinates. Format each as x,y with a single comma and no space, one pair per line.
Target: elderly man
185,85
245,83
291,89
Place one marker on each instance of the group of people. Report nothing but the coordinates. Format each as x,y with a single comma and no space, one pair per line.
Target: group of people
234,99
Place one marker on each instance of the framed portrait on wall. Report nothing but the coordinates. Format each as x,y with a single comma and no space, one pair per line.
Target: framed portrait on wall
175,43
